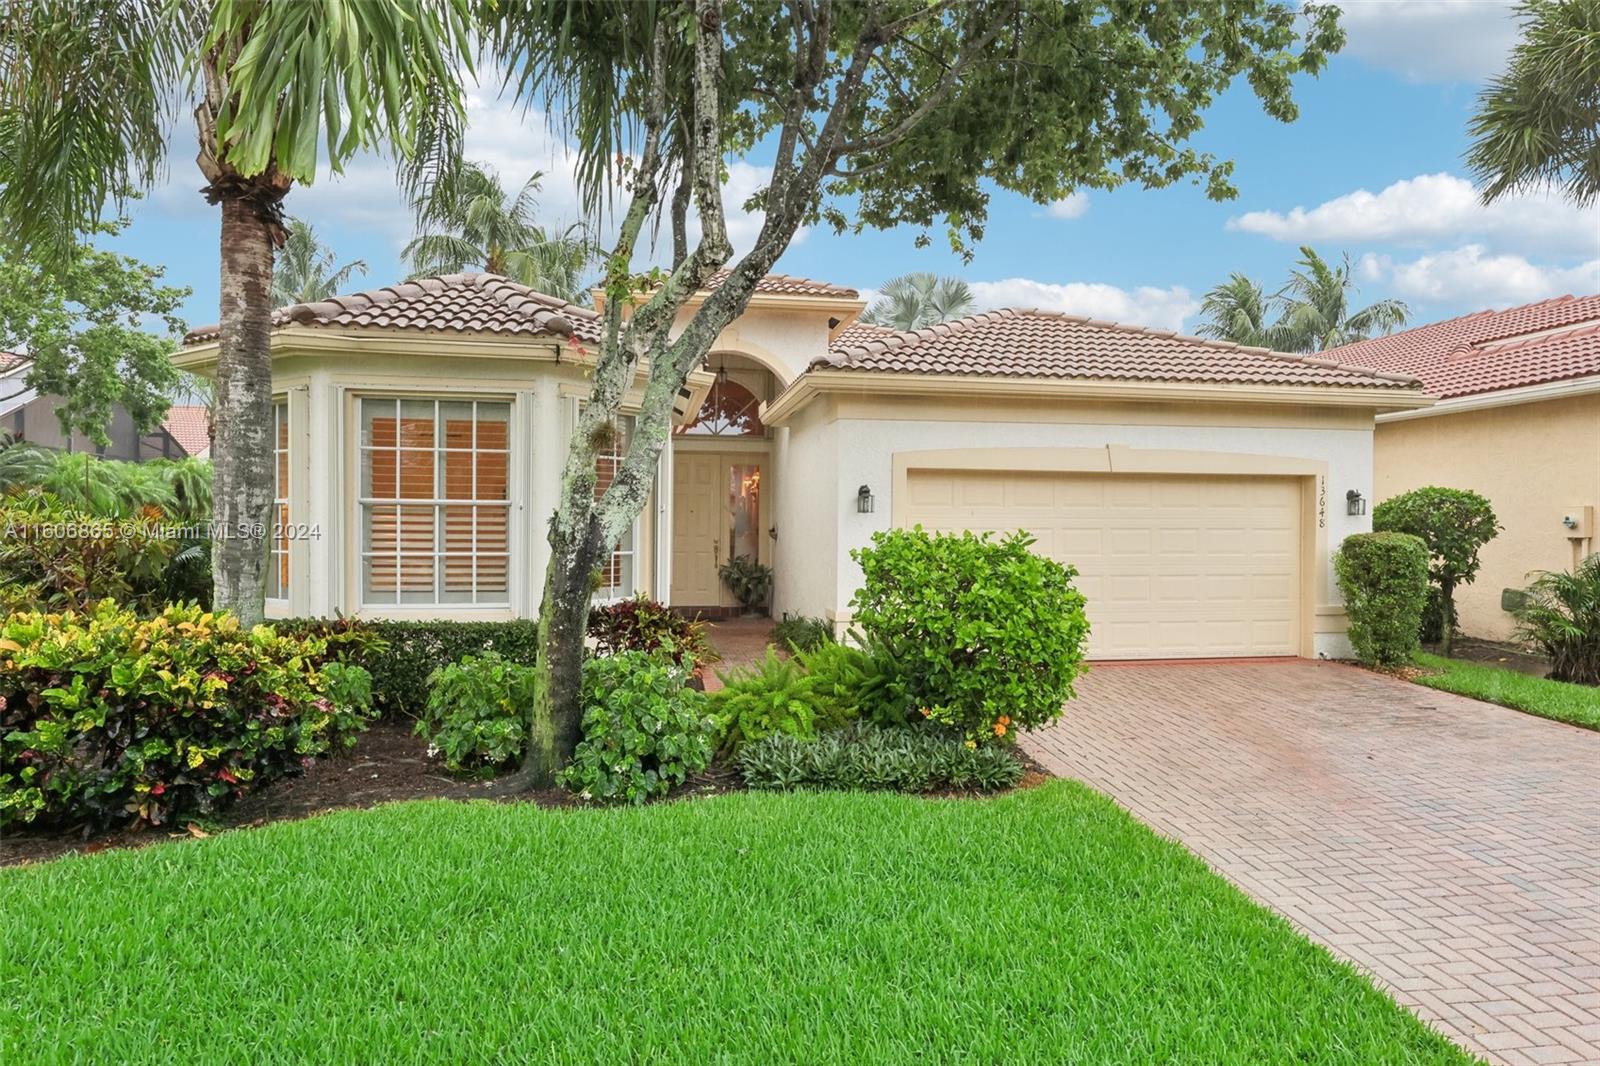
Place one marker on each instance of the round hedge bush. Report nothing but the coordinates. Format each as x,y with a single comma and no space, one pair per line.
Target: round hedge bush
987,634
1385,581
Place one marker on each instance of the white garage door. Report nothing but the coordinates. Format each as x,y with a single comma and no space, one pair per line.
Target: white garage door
1172,567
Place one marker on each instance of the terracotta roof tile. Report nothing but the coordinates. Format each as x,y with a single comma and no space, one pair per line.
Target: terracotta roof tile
1031,343
1553,340
10,361
460,303
861,333
787,285
190,425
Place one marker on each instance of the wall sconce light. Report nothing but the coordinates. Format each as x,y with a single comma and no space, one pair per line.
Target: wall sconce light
864,500
1355,503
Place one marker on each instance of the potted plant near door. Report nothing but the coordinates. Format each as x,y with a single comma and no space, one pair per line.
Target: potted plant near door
749,581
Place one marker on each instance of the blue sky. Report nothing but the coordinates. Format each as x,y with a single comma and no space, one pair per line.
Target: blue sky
1372,168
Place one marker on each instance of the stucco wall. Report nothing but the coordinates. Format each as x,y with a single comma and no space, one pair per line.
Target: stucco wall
810,500
863,451
1534,462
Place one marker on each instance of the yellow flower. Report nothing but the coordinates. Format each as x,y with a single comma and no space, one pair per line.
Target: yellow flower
972,743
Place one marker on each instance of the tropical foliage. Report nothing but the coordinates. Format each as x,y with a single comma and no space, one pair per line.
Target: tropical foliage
473,720
107,718
1538,123
642,624
110,488
1455,524
469,219
1310,313
81,323
918,300
306,270
87,110
1562,619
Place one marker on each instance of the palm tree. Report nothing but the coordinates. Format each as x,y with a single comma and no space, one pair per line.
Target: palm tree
471,220
86,110
919,300
1312,310
1315,308
305,270
1237,311
1538,123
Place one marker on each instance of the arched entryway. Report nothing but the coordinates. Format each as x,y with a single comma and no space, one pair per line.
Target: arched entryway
721,483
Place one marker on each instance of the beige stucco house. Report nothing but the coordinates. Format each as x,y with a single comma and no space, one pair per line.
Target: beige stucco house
1518,420
1198,487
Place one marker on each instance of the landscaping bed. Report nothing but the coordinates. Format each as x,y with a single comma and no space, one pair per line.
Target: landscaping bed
1038,926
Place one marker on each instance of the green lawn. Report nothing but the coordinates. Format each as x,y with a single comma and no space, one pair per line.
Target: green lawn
1576,704
1040,926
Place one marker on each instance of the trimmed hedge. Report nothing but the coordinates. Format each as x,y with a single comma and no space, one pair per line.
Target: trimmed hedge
864,757
108,718
402,656
1385,581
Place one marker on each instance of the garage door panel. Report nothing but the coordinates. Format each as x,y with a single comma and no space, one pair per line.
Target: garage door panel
1171,566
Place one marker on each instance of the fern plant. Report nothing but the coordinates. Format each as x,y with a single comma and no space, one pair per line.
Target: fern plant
776,695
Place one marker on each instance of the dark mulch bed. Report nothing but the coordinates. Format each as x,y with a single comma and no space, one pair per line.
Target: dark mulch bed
1496,653
389,764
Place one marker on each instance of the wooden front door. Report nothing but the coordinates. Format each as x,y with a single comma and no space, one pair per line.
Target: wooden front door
717,513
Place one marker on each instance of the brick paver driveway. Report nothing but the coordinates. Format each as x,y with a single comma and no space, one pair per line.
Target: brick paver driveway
1449,848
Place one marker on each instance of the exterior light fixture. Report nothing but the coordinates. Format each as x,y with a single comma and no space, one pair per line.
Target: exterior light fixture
1355,503
864,500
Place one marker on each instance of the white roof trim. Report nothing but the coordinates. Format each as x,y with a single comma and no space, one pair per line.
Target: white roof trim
1549,390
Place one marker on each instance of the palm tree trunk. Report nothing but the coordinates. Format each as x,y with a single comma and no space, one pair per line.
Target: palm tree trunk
242,454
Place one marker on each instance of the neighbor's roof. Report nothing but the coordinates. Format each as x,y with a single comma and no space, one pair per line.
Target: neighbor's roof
1031,343
190,425
787,285
458,303
1488,351
10,361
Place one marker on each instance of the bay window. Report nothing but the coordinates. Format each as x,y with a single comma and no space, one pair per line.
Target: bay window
435,502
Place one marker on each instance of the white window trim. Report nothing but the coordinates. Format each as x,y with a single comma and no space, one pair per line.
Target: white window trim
282,505
355,544
574,409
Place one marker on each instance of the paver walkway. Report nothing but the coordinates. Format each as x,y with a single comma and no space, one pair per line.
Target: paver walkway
1449,848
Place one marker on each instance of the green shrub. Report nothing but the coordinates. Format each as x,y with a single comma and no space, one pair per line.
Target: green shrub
1385,581
981,629
179,489
1562,617
1454,525
798,633
749,581
642,624
476,712
863,756
106,718
776,695
402,656
57,558
644,731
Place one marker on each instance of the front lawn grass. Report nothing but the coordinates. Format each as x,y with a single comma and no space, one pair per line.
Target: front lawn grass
1044,925
1574,704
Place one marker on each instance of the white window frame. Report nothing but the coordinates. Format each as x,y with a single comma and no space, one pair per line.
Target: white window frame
279,553
634,533
362,502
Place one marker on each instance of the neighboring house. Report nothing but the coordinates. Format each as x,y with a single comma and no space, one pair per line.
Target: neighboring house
190,425
27,416
1518,420
1199,487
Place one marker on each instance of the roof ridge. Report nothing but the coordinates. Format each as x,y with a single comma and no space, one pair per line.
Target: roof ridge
1493,347
902,337
1221,345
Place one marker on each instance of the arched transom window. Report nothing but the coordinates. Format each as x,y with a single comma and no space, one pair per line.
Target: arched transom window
730,410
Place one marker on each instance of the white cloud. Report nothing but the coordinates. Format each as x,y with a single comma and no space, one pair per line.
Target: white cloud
1472,277
1431,207
1145,306
1073,205
1430,40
